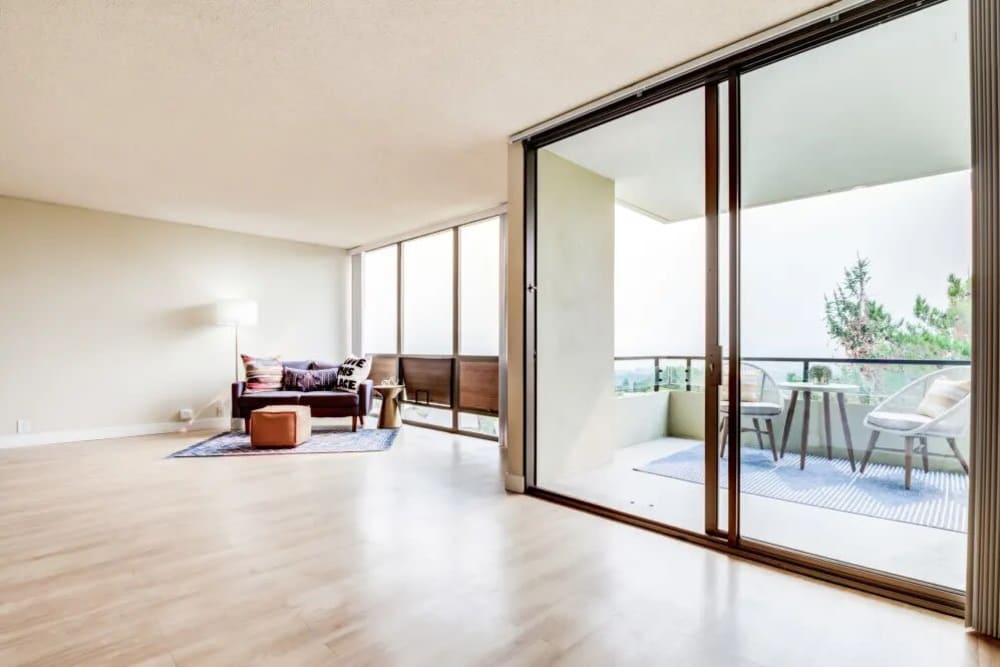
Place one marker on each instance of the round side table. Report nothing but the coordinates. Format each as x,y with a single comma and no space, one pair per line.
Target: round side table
389,415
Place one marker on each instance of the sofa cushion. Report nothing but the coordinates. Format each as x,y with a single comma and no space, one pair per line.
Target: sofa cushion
329,399
297,379
303,365
353,372
323,366
263,373
260,399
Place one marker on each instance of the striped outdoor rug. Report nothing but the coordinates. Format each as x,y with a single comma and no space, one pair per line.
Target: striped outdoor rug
935,499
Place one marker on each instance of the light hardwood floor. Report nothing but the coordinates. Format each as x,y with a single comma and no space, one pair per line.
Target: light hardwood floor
113,554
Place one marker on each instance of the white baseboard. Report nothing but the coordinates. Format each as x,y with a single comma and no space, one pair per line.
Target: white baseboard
514,483
106,432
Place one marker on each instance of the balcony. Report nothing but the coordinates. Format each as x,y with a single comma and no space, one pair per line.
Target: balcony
810,502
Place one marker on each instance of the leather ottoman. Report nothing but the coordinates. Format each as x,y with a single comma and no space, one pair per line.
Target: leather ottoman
280,426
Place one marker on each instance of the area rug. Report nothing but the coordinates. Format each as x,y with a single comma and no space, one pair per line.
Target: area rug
326,440
936,499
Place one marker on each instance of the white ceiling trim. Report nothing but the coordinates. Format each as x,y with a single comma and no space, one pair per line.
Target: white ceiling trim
430,229
636,89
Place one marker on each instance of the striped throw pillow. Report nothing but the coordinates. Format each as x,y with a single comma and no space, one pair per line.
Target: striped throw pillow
942,396
263,373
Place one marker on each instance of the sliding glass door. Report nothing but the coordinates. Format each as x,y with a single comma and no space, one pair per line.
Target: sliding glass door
748,304
855,298
621,311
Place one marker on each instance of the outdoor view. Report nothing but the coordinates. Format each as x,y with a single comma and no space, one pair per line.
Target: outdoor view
429,361
854,313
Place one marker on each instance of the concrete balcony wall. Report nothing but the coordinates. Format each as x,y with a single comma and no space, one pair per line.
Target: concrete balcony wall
641,417
575,327
686,420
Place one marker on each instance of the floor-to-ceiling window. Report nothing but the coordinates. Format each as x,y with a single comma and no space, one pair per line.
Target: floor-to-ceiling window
431,319
379,297
855,284
779,362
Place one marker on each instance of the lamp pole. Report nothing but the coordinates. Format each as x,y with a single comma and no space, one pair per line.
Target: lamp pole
236,357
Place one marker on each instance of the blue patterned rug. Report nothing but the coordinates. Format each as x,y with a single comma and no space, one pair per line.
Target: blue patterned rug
936,499
324,440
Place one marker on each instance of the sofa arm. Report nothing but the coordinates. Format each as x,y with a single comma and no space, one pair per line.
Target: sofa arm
365,397
236,392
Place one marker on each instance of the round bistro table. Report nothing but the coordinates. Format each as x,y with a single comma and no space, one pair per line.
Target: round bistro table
807,389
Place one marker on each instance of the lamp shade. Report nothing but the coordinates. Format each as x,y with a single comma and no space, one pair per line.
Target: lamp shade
236,312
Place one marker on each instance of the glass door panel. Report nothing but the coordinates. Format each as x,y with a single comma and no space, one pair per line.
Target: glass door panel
620,314
854,287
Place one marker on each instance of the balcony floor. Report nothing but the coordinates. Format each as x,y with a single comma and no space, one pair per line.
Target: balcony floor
910,550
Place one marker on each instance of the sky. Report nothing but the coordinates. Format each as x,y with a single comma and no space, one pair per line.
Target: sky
914,233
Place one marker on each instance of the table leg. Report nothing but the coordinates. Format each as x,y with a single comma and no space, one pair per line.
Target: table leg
826,424
841,403
725,436
908,460
806,400
788,422
958,454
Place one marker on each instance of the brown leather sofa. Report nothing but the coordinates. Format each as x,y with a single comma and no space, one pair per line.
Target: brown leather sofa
321,403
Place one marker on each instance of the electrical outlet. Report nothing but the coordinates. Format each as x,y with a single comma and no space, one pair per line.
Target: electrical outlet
185,414
219,411
23,426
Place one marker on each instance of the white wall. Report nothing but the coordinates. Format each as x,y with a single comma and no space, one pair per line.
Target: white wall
641,417
575,395
107,319
914,232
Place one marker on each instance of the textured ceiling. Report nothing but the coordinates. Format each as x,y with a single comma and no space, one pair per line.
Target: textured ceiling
336,122
886,104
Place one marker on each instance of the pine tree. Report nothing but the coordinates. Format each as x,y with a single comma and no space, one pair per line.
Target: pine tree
858,323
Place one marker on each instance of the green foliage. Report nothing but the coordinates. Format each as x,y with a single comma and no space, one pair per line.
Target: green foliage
864,328
820,374
859,324
937,333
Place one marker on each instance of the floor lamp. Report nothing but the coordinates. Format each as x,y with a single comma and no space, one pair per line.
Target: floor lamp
236,313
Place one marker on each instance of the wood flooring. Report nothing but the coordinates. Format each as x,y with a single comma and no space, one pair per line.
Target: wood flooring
112,554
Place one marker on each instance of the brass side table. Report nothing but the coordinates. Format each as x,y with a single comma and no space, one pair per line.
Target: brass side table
389,415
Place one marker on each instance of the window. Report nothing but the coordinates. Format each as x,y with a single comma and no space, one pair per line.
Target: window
427,294
448,323
479,287
379,301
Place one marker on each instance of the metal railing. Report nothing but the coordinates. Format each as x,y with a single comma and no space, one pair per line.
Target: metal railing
659,368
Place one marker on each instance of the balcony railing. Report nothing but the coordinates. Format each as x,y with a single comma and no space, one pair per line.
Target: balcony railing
686,372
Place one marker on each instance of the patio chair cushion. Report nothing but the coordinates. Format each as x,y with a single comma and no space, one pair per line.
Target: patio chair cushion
942,396
897,421
750,388
755,408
